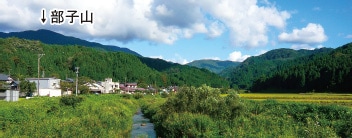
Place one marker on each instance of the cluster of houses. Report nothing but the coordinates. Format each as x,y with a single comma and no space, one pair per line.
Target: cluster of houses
51,86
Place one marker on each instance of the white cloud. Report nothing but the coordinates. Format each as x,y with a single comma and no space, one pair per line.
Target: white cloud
305,46
177,58
302,46
152,20
311,34
237,56
349,36
320,46
247,22
157,57
213,58
216,29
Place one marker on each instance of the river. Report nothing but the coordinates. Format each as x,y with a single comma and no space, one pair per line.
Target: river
142,128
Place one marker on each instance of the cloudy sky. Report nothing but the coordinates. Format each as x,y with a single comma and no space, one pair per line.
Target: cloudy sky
186,30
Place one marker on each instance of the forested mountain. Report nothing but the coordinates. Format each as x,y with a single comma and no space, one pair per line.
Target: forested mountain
183,74
330,71
252,68
215,66
50,37
19,56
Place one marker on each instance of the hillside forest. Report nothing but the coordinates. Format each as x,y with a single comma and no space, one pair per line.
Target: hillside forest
19,57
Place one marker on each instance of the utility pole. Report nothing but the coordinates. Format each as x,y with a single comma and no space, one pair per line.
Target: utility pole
39,56
77,68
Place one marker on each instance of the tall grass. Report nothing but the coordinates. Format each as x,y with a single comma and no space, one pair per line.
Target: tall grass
95,116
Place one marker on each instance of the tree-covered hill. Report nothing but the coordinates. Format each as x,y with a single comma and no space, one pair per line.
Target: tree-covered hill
185,75
330,71
252,68
215,66
20,56
50,37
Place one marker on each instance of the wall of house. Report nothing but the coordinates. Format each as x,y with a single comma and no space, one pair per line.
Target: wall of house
49,83
50,92
9,95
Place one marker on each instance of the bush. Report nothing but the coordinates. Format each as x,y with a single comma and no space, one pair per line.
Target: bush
126,96
189,125
71,100
164,95
138,95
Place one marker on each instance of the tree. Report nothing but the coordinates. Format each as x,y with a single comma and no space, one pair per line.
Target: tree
28,87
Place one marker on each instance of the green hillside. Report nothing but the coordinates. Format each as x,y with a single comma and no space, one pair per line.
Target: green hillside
50,37
319,72
19,56
254,67
185,75
215,66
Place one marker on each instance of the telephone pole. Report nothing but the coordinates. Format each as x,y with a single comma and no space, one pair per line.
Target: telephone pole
39,56
77,68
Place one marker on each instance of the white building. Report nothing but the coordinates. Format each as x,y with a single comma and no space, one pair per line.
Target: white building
109,86
47,86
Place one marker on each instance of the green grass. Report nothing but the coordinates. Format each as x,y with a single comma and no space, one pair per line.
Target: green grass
260,115
95,116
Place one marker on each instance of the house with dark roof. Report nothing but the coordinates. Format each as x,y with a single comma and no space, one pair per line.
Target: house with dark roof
4,77
10,83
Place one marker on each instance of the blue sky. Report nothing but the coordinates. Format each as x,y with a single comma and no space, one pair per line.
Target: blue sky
185,30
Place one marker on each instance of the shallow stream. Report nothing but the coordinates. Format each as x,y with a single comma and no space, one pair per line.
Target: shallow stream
142,128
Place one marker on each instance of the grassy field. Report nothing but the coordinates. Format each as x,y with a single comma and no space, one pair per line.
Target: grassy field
322,98
83,116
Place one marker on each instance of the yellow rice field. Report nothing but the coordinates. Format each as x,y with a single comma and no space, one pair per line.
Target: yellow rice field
321,98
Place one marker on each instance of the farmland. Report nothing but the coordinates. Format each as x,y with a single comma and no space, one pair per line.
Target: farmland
320,98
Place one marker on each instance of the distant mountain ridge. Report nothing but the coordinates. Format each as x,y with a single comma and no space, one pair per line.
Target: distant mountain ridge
50,37
215,66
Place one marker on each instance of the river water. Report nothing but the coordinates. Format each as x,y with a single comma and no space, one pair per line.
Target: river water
142,128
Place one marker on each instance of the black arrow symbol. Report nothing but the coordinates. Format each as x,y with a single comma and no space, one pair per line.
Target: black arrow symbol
43,17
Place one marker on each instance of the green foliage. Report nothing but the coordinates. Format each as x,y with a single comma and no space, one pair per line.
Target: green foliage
189,125
255,67
27,87
126,96
215,66
192,112
20,56
96,116
244,118
319,72
138,95
71,100
181,75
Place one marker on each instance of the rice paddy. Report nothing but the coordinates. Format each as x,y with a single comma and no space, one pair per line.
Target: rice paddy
321,98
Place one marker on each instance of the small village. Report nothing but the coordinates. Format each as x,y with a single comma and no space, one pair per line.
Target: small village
50,87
